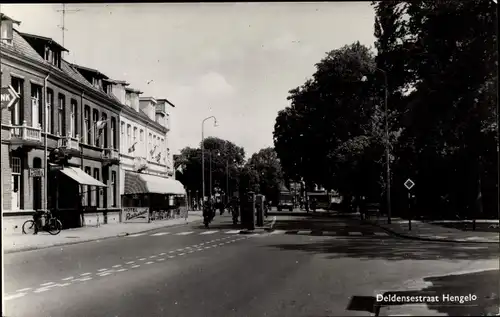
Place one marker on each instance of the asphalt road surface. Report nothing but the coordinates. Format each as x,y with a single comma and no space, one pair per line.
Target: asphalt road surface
293,271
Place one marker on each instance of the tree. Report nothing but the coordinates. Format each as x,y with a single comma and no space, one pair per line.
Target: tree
267,171
226,159
330,114
447,143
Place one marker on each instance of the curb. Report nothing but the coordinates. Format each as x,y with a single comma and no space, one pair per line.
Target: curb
405,236
120,235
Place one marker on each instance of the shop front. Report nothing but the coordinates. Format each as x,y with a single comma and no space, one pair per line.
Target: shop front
150,197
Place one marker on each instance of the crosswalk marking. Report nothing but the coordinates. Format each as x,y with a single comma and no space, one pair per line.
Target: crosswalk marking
355,234
210,232
380,233
233,231
159,234
185,233
278,232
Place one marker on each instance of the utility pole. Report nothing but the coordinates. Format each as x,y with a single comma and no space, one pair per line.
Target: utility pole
63,26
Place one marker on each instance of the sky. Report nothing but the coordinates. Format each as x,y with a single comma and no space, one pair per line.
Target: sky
234,61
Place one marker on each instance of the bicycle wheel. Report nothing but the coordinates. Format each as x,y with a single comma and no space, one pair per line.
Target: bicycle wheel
54,227
28,227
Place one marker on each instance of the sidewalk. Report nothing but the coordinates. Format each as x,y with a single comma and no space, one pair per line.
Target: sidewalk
25,242
433,232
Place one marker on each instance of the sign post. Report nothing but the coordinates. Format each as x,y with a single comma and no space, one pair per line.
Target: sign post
8,96
409,185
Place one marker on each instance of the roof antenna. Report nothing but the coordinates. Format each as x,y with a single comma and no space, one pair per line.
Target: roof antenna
62,27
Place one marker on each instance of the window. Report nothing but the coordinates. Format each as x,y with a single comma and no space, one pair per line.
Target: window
95,118
114,194
86,125
141,136
74,118
17,109
53,57
112,141
95,191
150,140
86,190
124,143
17,188
103,133
129,139
50,113
36,114
61,122
135,135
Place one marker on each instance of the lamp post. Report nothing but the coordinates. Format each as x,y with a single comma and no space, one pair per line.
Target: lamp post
203,152
387,145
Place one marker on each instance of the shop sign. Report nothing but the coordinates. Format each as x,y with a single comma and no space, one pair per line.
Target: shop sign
135,214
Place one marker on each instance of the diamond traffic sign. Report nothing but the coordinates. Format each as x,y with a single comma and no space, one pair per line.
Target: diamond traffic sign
409,184
8,97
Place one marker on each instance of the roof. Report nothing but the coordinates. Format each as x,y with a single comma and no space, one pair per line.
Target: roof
133,90
148,99
95,71
114,81
43,38
22,47
165,100
7,18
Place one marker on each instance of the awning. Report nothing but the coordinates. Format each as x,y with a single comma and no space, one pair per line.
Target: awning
81,177
136,183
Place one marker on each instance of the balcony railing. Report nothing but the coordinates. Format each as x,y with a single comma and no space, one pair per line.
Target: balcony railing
69,143
26,133
110,154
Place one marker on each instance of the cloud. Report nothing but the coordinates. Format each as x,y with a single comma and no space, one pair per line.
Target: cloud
214,83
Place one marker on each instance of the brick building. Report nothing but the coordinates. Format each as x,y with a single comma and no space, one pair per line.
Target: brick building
81,121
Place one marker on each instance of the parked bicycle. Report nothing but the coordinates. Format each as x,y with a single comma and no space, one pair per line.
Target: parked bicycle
52,225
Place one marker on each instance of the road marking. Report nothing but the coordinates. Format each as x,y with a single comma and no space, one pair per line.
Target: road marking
180,249
41,289
104,274
47,284
171,256
210,232
100,270
163,253
221,243
14,296
207,247
171,251
159,234
191,251
202,243
152,257
161,259
121,270
130,262
23,290
380,233
184,233
149,262
135,266
84,279
63,284
84,274
355,233
182,253
232,231
118,265
142,259
136,235
278,232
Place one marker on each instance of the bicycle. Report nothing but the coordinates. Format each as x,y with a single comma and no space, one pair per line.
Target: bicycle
52,226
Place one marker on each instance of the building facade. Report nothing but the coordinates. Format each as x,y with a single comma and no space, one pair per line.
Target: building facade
62,156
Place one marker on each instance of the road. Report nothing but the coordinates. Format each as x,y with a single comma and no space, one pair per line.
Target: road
321,266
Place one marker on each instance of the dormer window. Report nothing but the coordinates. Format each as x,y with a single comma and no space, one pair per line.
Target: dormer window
53,57
96,82
6,31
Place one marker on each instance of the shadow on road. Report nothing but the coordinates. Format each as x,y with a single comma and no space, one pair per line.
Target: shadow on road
394,249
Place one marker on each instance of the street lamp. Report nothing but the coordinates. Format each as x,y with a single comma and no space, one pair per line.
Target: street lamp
203,152
387,149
